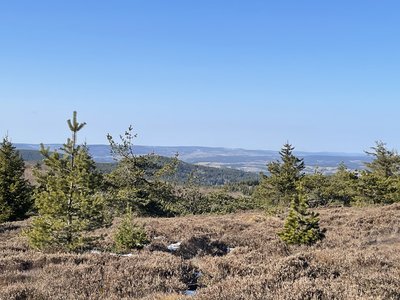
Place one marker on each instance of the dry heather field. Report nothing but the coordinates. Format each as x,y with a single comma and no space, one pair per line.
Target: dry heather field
235,256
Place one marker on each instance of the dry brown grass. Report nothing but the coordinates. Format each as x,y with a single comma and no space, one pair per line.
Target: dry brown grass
359,259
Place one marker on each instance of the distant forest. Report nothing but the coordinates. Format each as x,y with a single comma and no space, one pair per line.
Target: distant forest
185,172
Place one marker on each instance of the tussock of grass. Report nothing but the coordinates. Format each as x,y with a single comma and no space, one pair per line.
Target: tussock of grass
358,259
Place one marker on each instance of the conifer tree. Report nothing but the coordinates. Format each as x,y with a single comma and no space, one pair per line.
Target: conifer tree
129,234
67,198
280,186
315,186
386,162
342,186
15,191
137,180
301,226
380,183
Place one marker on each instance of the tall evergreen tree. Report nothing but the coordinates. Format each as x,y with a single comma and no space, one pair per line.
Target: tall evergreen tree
380,183
15,191
67,197
385,162
301,226
280,186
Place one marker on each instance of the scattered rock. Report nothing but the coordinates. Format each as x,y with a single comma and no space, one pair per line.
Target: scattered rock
174,247
190,293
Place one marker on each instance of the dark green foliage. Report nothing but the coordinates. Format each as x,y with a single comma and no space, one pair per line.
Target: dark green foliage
386,162
342,187
209,176
221,202
380,183
204,176
280,186
129,235
149,185
246,187
137,181
337,189
191,200
15,191
376,189
67,197
301,226
315,186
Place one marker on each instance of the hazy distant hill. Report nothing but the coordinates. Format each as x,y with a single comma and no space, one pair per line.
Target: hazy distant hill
241,159
197,174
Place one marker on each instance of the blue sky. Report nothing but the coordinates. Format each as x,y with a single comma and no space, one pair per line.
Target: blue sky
251,74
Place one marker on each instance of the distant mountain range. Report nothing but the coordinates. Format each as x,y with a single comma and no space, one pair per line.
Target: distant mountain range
240,159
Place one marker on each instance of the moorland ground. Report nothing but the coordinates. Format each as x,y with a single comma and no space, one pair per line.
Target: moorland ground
234,256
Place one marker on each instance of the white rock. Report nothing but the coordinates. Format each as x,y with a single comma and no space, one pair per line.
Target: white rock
174,247
229,250
189,293
127,255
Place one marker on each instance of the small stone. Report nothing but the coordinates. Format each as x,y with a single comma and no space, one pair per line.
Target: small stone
174,247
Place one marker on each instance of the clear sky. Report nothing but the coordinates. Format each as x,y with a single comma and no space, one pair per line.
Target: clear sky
324,75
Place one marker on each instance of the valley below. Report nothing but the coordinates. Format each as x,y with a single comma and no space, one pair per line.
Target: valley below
254,161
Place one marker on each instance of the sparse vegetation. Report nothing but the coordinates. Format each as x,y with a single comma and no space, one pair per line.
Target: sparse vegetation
358,259
228,254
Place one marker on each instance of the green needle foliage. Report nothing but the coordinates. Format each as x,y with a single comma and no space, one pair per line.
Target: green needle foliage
386,162
129,235
68,197
280,186
138,182
15,191
380,183
301,226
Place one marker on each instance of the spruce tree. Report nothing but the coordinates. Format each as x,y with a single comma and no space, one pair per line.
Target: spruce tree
68,196
15,191
280,186
380,182
386,162
129,234
301,226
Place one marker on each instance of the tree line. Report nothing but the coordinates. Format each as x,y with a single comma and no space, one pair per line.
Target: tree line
378,183
72,198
